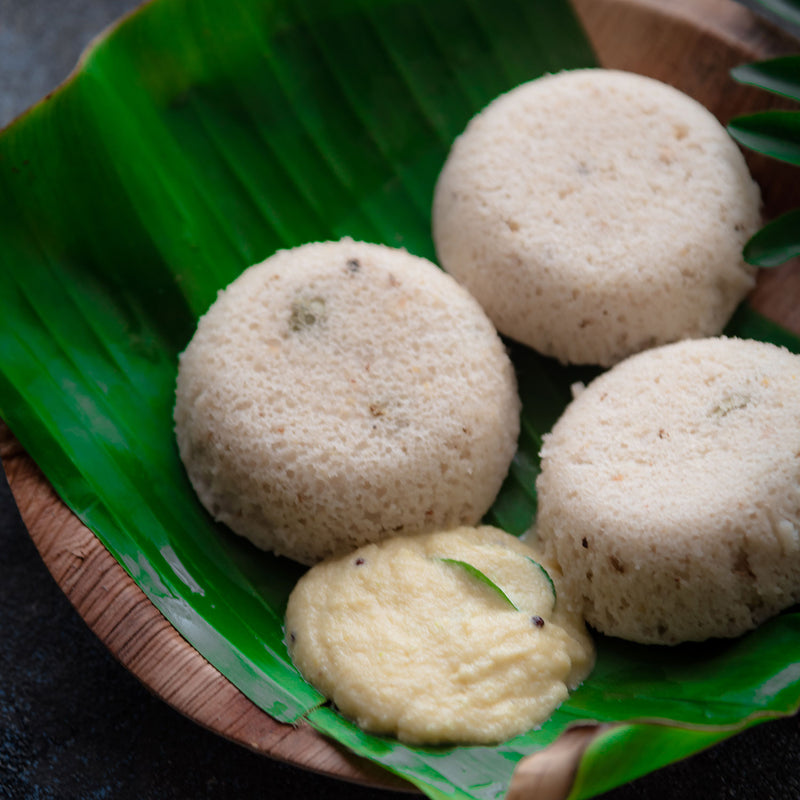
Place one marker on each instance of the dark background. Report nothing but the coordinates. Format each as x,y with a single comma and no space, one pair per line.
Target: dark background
75,724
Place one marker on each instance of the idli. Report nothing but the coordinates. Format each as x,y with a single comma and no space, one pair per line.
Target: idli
341,392
669,495
595,213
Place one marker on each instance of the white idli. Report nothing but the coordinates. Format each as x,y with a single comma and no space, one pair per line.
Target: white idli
595,213
341,392
669,494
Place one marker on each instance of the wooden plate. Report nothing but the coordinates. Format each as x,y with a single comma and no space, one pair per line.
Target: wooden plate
691,44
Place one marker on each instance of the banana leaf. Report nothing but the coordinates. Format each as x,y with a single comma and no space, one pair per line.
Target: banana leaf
196,138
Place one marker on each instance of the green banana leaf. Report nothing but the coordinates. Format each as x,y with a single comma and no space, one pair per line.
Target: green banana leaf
198,137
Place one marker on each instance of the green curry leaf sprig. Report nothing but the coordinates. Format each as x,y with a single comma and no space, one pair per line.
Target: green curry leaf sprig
776,134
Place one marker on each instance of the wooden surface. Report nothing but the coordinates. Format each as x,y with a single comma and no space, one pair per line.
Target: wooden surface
689,43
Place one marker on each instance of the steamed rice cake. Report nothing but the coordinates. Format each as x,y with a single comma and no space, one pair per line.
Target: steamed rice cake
595,213
669,494
342,392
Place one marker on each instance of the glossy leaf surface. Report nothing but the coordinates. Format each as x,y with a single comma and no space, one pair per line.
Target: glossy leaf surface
775,134
776,242
197,138
778,75
480,577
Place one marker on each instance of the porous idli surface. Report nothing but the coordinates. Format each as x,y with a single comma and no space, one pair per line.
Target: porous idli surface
595,213
340,392
408,642
669,494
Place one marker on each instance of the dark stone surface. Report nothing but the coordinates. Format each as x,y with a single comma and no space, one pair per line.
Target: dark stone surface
75,724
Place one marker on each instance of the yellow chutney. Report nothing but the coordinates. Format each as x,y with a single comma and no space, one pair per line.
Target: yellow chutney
450,637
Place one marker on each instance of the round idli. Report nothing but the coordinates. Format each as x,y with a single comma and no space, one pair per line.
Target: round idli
669,494
342,392
595,213
454,637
